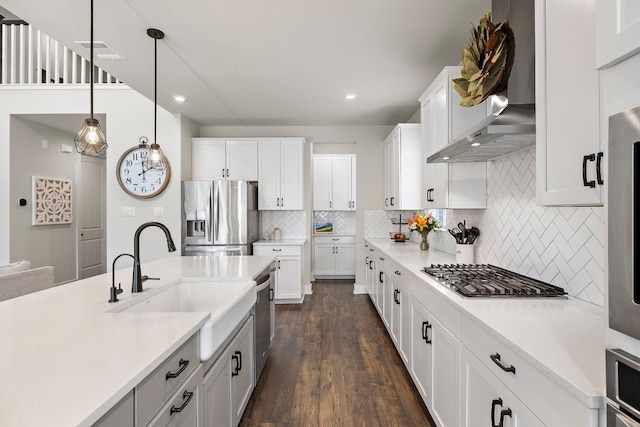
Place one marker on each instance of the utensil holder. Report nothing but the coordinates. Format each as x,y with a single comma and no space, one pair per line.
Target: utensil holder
465,254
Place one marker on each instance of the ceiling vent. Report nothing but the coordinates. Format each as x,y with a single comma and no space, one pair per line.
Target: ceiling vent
102,50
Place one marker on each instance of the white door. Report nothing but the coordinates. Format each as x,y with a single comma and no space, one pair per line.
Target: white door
208,159
446,376
288,285
324,260
341,182
269,175
406,337
217,393
421,360
291,177
92,254
242,367
346,260
242,160
322,198
353,183
395,313
440,139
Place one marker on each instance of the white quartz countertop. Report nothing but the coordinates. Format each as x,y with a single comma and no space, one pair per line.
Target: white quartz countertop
562,337
281,242
65,360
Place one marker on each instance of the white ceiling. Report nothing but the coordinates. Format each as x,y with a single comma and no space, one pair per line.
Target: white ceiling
277,62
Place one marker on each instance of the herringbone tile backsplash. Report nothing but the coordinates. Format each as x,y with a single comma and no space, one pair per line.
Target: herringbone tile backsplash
560,245
292,224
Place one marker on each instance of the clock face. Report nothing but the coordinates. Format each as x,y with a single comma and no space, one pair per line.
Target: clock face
136,180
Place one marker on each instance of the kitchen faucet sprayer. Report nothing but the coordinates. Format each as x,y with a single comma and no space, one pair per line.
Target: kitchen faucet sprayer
137,283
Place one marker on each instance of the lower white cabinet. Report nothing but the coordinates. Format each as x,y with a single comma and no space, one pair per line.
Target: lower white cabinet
288,272
334,256
121,415
421,355
229,383
486,401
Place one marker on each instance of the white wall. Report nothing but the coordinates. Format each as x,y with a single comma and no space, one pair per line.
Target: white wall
370,174
53,245
129,116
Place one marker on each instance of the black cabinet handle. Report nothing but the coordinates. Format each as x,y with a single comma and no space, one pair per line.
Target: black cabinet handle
239,354
236,370
371,265
395,292
599,168
397,272
381,258
370,249
588,158
386,202
425,332
366,260
494,403
496,360
503,413
391,201
186,395
381,278
398,296
183,365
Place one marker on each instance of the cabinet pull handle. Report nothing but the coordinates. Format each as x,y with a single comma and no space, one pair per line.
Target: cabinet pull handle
503,413
183,365
276,250
397,296
496,360
236,370
588,158
370,249
425,332
336,249
282,201
223,172
330,204
270,294
391,200
599,168
381,258
366,260
494,403
381,278
239,354
397,272
370,265
186,395
278,264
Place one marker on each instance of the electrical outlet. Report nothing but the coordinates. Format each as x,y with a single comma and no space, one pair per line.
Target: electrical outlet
45,144
158,211
128,211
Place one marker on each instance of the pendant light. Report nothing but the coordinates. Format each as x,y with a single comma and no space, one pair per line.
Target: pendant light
155,159
90,141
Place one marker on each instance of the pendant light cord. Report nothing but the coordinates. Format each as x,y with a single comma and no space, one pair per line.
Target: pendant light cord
91,61
155,88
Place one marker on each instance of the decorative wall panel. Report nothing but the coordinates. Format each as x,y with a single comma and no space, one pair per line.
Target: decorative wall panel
51,201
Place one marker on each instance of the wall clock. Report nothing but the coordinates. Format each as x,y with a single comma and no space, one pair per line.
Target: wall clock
135,179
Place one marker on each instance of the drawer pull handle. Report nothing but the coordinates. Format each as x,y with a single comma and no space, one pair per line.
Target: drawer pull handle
236,369
276,250
496,360
381,258
186,395
503,413
425,328
183,365
585,159
397,272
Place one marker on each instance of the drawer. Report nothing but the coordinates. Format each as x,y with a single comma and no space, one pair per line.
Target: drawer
277,250
334,240
152,393
550,402
183,408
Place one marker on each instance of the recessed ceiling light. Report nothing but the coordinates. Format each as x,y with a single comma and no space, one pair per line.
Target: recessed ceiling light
475,144
179,98
351,96
446,158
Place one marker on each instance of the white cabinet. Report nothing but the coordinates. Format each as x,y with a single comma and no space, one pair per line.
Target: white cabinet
334,183
617,31
229,383
421,360
280,174
486,401
334,256
215,159
449,185
121,415
288,287
183,408
402,154
569,156
445,359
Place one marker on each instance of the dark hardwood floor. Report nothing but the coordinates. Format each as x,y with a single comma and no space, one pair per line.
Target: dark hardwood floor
332,364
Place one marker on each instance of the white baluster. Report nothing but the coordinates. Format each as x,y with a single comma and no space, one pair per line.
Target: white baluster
39,57
56,61
21,62
30,55
5,62
12,62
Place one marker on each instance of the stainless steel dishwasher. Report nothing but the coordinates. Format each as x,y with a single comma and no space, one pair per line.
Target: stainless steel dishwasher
263,315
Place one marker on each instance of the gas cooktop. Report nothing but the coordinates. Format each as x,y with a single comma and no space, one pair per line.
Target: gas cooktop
486,280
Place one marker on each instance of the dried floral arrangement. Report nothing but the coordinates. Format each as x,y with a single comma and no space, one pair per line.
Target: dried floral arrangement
486,62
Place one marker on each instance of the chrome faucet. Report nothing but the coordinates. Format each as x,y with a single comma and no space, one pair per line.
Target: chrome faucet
138,278
113,292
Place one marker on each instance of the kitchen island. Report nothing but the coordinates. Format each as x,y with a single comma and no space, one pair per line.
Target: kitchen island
554,345
66,358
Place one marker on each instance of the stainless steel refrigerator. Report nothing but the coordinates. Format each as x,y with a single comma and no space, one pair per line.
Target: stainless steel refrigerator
219,217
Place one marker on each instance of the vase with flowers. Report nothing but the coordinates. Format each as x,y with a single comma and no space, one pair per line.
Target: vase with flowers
423,224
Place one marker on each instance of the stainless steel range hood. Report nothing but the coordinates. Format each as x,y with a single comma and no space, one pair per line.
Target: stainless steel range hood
510,124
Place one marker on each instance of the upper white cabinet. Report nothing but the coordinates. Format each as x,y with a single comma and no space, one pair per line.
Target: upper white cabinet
449,185
617,30
402,168
280,174
334,182
215,159
569,157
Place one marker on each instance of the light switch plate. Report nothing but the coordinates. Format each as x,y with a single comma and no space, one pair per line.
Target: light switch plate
128,211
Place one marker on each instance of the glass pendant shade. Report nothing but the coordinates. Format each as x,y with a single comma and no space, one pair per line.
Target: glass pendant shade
155,159
90,141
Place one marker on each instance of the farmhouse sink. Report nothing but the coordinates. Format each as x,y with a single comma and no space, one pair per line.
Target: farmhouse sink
228,301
